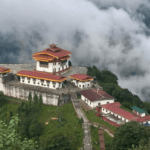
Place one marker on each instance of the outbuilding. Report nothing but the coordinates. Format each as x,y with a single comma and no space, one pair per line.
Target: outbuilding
81,80
95,97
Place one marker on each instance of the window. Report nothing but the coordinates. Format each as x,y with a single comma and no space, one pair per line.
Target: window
107,102
48,85
88,85
48,82
43,64
53,86
22,80
23,77
90,103
99,103
83,85
42,84
54,69
34,82
38,83
106,110
28,78
28,81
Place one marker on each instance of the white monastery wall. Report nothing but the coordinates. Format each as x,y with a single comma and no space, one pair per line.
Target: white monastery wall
14,91
38,82
96,103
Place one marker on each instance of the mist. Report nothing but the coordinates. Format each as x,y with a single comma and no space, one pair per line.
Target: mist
113,35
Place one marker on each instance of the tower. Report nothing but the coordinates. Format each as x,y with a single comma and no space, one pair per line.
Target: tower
53,60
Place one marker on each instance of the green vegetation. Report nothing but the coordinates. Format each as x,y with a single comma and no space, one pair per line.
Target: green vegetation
130,134
127,109
33,117
108,141
70,64
93,118
10,138
68,125
109,82
95,138
78,96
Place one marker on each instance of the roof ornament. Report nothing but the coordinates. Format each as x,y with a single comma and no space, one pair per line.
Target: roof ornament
53,45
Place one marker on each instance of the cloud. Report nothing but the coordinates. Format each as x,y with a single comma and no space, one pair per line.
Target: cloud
110,34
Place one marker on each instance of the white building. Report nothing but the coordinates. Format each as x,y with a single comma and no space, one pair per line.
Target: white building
115,110
41,79
94,97
52,60
81,80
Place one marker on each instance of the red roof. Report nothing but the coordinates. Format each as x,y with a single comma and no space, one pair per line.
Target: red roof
3,70
103,93
43,56
114,107
81,77
54,52
41,75
121,112
92,95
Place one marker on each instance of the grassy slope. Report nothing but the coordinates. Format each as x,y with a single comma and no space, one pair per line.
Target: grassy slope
93,118
95,138
71,127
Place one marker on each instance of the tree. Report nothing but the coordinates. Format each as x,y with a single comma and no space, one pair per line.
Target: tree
3,100
57,142
35,128
30,100
35,99
40,100
109,87
70,64
10,138
129,134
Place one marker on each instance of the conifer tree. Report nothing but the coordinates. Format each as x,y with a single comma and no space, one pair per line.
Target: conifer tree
40,100
30,100
35,99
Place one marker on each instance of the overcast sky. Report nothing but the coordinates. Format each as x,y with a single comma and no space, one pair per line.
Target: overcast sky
110,34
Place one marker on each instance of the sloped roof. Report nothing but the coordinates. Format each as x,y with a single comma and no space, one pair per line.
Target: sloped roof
43,57
138,109
55,52
41,75
93,95
114,107
4,70
81,77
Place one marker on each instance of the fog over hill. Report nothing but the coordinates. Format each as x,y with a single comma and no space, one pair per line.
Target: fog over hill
112,35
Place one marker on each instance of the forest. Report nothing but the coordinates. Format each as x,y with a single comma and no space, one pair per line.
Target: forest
109,82
27,125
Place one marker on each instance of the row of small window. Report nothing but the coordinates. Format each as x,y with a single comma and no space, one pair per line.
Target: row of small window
83,85
54,69
41,84
54,63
